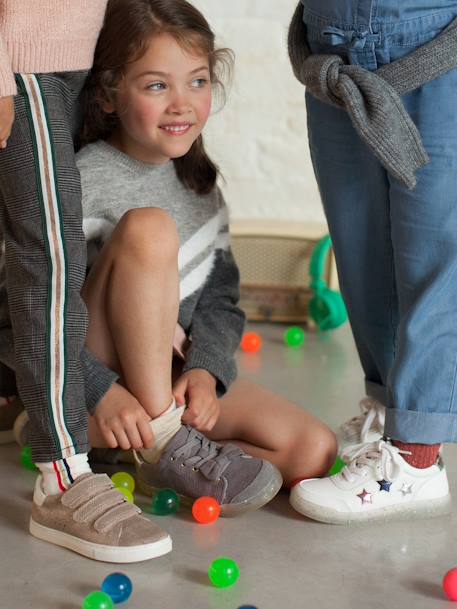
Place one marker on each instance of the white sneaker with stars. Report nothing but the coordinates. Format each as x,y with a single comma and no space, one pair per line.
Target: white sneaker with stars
366,427
377,484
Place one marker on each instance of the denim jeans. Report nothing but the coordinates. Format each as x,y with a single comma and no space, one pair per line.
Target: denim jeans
396,249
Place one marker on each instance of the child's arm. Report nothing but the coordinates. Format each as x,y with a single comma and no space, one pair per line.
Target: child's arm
218,323
216,330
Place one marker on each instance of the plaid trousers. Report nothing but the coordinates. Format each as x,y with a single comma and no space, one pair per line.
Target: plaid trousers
45,262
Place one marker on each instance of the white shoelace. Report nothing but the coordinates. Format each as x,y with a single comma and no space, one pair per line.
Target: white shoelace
372,419
381,455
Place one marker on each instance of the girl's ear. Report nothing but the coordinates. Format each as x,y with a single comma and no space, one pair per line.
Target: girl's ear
107,106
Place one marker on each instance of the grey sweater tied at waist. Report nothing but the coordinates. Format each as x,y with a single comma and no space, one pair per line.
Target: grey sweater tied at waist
372,99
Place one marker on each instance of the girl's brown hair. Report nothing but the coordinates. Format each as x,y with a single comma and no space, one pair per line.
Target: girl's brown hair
124,38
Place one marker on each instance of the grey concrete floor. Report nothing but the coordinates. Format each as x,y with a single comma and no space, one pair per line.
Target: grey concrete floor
286,561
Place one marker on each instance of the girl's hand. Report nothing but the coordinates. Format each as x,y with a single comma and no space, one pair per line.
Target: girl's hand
197,388
122,420
6,119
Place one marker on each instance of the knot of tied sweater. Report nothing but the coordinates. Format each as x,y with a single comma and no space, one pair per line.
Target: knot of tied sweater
373,99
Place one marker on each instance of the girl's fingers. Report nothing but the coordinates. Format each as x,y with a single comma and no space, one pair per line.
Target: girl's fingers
134,436
180,396
188,417
145,431
213,415
201,421
122,438
109,438
211,423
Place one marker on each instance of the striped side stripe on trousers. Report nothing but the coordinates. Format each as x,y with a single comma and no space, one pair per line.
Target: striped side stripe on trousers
57,260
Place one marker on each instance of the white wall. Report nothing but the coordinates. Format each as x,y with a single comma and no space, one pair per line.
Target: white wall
259,138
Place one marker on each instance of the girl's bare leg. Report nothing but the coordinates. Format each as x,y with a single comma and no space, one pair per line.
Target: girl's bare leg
268,426
132,295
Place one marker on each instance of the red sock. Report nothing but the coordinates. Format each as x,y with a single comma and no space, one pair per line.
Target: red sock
422,455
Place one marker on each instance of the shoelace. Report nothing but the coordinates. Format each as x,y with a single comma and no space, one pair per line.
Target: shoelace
95,500
211,458
372,419
380,454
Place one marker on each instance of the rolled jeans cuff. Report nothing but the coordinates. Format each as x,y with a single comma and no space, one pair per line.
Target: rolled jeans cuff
421,427
377,391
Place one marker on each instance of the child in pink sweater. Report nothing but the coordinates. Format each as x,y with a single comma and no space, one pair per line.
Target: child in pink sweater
46,50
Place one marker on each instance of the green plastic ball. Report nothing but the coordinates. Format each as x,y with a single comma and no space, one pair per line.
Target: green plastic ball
26,459
223,572
295,337
165,502
98,600
337,467
123,480
127,494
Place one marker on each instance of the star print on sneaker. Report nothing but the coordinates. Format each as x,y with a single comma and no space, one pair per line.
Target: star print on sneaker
366,427
377,484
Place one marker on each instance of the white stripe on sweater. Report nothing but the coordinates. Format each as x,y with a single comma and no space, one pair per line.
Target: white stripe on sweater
197,277
202,239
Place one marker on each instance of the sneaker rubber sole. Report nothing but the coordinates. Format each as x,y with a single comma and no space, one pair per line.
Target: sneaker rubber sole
413,509
113,554
228,510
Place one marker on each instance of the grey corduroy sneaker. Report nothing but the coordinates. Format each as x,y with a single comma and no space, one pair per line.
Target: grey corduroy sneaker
194,467
93,519
10,409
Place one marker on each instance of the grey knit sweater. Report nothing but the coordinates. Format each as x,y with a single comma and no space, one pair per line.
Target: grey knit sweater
112,184
372,99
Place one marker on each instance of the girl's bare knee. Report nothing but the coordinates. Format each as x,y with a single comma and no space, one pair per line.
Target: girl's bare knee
147,233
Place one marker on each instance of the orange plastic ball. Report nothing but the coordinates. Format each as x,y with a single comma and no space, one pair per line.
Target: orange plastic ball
206,510
251,343
450,585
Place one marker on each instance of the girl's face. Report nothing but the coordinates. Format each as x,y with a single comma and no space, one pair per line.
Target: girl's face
163,102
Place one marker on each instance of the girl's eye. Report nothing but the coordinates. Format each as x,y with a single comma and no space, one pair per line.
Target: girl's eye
156,86
199,83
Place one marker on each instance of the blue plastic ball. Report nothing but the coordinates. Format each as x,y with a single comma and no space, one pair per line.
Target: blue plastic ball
118,586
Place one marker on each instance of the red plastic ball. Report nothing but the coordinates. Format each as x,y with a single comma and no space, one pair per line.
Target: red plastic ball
251,343
450,584
206,510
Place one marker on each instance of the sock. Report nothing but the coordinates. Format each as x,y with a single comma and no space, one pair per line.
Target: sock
164,427
58,476
422,455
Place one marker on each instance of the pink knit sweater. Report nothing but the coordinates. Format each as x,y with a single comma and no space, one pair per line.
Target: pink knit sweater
47,36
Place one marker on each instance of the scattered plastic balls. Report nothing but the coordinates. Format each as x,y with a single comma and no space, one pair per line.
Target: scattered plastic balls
223,572
123,480
127,494
118,587
294,337
251,343
450,584
98,600
206,510
26,459
165,502
337,467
